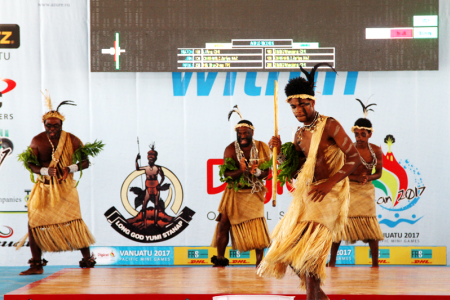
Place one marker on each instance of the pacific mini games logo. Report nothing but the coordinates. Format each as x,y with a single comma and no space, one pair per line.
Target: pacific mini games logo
401,186
150,224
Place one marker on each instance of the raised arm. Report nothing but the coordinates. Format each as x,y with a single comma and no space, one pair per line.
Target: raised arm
138,157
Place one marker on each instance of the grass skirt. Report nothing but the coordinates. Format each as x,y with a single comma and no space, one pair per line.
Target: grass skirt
305,250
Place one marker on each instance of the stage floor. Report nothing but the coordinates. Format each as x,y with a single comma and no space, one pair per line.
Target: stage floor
349,283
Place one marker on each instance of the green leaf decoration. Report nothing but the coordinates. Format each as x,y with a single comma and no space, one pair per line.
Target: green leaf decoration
236,184
26,157
266,165
86,151
286,169
290,165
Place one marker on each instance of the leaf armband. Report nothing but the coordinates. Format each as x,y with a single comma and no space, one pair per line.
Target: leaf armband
86,151
26,157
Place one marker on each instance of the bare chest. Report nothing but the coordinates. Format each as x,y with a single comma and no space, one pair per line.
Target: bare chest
366,155
45,155
151,171
305,143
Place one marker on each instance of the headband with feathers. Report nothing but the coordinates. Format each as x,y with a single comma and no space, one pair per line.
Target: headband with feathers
54,113
365,113
152,149
242,122
304,89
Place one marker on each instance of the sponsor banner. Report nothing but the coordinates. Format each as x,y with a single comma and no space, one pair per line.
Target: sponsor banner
132,256
120,224
202,256
346,255
420,255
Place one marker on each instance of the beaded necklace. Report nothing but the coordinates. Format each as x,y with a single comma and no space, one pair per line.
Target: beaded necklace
311,127
254,182
374,159
53,151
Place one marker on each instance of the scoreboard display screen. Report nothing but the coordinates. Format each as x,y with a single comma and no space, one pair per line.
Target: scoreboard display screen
255,35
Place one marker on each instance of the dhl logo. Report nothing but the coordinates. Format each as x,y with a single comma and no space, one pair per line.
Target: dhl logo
383,261
198,261
240,261
422,261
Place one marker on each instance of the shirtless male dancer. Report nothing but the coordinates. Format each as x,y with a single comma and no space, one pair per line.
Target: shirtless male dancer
362,222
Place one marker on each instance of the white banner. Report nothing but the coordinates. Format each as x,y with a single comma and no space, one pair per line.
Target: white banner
185,114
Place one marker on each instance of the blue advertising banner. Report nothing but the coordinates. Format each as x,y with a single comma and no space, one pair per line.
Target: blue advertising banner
346,255
130,255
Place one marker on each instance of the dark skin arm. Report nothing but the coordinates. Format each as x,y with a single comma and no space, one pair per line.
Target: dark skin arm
161,173
33,167
334,131
138,157
76,143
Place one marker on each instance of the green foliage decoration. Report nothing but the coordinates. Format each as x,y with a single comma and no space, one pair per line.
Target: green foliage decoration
236,184
82,153
286,169
26,157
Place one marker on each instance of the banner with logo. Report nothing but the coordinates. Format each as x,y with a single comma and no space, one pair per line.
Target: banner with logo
185,116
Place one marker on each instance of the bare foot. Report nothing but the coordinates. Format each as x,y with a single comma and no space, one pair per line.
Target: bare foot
331,265
34,270
322,295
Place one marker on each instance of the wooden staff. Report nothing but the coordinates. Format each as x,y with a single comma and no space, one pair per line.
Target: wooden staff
275,150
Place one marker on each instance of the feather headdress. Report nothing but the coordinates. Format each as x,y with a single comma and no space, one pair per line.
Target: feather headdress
364,123
54,113
366,107
152,149
236,110
242,122
304,88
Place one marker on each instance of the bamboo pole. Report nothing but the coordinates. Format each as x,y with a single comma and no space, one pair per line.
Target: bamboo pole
275,150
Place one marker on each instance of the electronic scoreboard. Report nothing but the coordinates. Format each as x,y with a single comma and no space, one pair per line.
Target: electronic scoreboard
251,35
